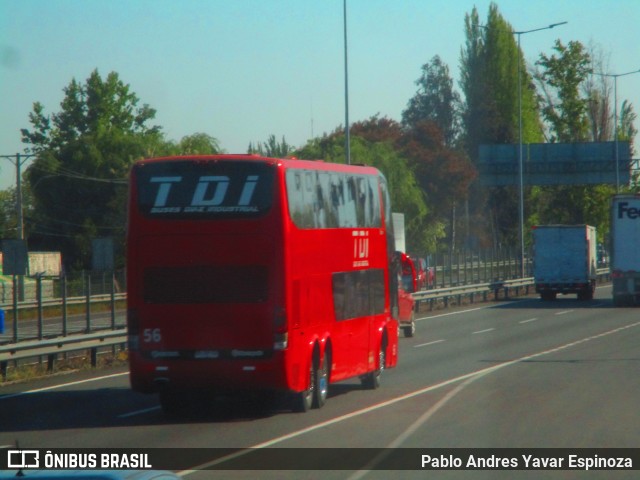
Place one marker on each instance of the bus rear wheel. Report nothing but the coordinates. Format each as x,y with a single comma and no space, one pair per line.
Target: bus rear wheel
304,400
321,384
315,396
372,379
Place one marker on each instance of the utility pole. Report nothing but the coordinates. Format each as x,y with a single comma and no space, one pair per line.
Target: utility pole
20,160
520,159
347,140
615,117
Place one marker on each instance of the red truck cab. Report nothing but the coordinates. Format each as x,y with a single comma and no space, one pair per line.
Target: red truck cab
408,285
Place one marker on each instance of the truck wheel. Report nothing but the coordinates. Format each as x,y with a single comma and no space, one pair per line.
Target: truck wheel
585,295
548,296
410,330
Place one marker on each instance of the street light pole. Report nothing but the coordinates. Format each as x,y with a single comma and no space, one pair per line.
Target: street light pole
520,159
346,90
615,119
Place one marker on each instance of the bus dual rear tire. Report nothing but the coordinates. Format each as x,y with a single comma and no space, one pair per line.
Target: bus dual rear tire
316,395
371,380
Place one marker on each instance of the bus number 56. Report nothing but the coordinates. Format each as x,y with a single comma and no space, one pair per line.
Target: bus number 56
151,335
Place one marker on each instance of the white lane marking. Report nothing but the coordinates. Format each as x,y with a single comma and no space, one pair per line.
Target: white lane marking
529,320
424,418
428,343
139,412
393,401
484,331
459,312
564,311
62,385
452,313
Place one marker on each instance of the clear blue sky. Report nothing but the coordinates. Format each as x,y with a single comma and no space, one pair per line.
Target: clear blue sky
240,70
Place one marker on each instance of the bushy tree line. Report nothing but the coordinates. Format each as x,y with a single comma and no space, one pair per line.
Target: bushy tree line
76,186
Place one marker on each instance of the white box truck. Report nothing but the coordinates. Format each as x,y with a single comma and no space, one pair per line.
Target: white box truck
564,260
625,249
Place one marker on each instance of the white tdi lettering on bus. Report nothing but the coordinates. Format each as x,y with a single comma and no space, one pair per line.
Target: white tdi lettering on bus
201,202
360,248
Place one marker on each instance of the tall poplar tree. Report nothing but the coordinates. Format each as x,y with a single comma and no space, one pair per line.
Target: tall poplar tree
489,80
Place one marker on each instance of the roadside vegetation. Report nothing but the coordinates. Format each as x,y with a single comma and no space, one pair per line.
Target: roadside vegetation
75,190
72,363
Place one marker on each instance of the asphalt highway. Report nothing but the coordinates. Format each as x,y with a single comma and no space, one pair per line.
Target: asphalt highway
518,374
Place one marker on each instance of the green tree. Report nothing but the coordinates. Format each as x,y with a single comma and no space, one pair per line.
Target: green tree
272,148
626,128
84,152
406,196
198,144
598,92
489,80
444,174
627,132
562,78
565,109
435,100
8,222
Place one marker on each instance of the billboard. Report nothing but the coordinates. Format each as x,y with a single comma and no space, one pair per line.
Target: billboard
555,164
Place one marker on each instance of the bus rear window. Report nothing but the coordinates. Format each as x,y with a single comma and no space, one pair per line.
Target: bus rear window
204,189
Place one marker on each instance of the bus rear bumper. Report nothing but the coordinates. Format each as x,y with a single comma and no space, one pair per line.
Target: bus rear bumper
148,376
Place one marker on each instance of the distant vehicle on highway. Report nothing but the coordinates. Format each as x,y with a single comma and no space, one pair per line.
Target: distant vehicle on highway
564,260
625,254
425,273
408,285
603,256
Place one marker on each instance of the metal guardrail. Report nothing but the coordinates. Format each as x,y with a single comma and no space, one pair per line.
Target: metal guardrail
496,287
52,347
445,294
12,311
58,302
93,341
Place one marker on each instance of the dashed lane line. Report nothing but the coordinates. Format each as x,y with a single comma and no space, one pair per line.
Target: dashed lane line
428,343
483,331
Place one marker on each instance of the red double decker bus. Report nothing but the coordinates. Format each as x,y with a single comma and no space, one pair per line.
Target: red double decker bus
248,273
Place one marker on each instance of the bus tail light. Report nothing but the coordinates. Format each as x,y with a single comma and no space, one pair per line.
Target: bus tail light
133,329
280,341
280,334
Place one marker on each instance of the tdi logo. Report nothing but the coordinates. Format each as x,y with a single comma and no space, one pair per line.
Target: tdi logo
360,248
624,210
208,195
220,185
